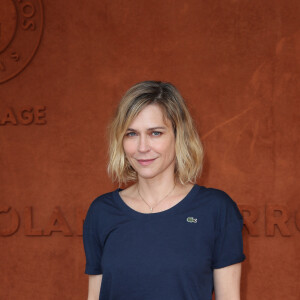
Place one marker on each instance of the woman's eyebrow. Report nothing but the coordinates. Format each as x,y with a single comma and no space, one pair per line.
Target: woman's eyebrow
152,128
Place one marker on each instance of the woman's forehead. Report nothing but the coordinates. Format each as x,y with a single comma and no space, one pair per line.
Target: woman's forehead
151,115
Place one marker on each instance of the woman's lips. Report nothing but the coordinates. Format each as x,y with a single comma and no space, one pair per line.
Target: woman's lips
146,162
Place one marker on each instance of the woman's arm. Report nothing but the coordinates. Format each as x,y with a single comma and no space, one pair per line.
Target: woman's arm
227,282
94,287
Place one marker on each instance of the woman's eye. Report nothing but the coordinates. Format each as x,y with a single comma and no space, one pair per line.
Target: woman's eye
156,133
130,133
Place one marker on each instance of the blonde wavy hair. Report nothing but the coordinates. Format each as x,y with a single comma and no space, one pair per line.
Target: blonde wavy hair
188,147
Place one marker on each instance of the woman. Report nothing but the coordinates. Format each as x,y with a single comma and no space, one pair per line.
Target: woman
164,237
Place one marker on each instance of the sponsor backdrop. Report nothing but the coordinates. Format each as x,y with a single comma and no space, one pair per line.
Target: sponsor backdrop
64,65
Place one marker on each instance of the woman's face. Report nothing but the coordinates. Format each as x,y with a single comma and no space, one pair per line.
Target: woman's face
149,143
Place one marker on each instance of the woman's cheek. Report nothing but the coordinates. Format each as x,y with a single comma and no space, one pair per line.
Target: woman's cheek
129,147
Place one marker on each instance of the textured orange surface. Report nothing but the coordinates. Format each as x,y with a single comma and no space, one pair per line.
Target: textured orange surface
237,64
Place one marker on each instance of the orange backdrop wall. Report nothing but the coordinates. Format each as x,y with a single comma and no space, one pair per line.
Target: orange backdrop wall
64,65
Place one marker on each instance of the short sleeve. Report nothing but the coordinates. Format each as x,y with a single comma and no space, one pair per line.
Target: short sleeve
92,244
228,244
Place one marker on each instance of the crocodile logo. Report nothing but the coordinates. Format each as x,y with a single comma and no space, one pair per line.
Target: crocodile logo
191,220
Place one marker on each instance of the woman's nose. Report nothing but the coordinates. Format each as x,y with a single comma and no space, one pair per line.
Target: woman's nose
143,144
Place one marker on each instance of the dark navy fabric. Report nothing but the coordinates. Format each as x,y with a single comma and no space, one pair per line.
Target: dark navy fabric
165,255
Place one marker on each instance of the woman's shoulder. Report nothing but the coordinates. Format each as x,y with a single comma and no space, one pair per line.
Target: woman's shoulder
217,194
219,198
210,191
224,204
102,199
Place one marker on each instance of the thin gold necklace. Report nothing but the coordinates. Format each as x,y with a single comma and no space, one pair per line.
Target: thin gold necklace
151,207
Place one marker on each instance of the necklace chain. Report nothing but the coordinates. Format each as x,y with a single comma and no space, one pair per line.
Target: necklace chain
151,208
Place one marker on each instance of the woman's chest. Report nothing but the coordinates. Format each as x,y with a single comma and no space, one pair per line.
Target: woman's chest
175,244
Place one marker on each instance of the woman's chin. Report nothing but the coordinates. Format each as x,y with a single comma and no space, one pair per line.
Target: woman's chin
147,175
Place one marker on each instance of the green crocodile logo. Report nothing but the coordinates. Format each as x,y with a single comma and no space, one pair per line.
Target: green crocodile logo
191,220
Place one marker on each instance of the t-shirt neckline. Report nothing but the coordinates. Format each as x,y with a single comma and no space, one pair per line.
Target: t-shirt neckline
170,211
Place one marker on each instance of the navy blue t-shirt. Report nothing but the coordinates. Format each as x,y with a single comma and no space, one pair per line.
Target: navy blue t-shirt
164,255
